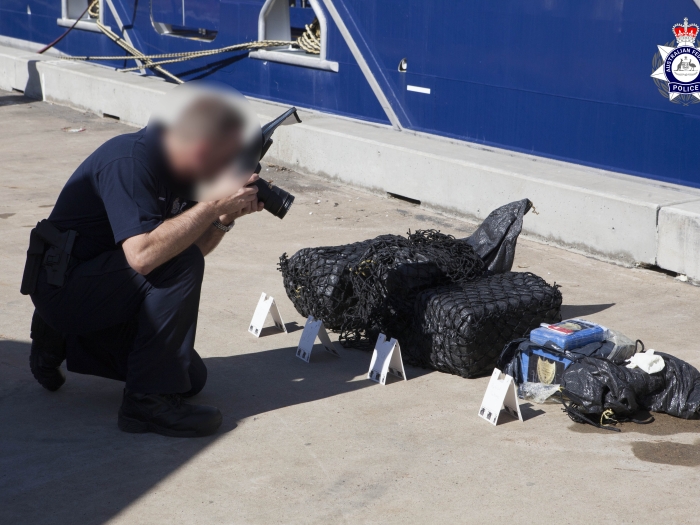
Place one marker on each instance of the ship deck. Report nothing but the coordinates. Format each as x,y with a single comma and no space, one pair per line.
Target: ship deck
318,443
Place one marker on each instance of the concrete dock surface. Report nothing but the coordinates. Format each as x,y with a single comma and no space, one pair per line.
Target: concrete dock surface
317,442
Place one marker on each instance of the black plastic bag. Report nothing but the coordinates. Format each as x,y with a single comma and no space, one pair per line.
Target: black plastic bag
494,241
596,385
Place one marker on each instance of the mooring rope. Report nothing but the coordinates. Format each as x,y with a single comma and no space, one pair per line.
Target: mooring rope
188,54
309,41
65,33
198,54
136,54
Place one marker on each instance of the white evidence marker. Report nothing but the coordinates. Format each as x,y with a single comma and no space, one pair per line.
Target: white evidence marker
386,358
312,329
266,305
500,394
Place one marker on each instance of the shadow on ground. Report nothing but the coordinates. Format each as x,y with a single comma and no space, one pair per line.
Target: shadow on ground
572,311
13,100
63,460
527,411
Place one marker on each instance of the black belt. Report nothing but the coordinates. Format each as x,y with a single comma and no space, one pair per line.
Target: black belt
51,248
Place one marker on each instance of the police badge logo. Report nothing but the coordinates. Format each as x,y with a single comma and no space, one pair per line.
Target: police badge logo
676,69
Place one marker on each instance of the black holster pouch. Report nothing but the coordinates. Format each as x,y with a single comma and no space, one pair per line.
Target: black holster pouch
51,248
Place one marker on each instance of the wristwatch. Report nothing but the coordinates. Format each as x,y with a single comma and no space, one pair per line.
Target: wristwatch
218,224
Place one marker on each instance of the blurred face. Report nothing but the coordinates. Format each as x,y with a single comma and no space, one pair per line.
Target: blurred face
199,160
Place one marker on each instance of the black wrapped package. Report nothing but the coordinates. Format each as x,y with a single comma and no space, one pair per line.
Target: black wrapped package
595,385
462,329
317,280
369,287
392,273
497,236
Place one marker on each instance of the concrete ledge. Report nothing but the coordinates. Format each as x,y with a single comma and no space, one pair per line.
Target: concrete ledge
81,85
679,239
608,215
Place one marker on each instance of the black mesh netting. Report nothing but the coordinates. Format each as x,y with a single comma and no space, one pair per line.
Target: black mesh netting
368,287
462,328
392,272
317,280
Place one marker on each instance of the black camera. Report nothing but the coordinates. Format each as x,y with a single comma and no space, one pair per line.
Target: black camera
276,200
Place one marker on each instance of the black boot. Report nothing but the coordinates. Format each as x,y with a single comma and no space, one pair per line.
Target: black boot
48,352
166,414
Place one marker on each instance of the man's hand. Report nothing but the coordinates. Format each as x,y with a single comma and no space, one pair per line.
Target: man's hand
247,201
147,251
243,202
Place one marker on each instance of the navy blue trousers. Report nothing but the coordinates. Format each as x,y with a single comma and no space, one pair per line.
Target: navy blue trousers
135,328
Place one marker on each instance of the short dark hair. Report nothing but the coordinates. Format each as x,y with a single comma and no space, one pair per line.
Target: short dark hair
209,118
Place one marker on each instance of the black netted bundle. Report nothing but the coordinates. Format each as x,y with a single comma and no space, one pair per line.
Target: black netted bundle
364,288
317,279
393,271
462,328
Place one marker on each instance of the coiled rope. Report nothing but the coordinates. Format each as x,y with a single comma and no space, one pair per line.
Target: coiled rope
94,9
310,40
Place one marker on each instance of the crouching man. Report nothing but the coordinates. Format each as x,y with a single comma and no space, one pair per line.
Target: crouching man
115,272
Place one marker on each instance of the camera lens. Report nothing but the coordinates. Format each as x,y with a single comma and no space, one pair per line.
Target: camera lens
276,200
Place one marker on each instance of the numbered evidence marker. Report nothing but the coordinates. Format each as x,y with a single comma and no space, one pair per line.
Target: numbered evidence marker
266,305
386,358
312,329
500,394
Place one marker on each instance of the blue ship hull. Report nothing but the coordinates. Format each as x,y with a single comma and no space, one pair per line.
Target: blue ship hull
562,79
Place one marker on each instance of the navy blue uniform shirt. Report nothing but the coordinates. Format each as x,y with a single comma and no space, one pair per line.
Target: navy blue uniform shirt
123,189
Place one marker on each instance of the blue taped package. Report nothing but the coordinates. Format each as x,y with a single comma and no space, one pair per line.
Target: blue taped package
570,334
